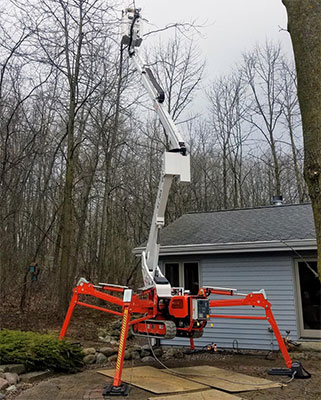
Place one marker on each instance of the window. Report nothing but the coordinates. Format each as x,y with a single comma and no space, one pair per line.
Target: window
309,299
184,274
191,277
172,273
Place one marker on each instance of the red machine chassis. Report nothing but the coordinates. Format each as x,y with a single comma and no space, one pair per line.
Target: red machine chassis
146,303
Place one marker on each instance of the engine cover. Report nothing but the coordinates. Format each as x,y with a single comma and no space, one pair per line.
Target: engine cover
178,306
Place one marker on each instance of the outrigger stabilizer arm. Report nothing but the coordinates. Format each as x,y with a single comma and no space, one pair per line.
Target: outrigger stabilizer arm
259,299
137,310
142,303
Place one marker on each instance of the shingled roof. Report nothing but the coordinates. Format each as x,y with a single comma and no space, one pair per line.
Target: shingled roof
269,228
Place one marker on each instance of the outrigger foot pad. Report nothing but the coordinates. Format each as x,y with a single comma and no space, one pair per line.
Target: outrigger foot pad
296,371
121,390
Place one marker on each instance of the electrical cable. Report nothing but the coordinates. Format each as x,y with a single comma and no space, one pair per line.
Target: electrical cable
203,375
316,275
292,377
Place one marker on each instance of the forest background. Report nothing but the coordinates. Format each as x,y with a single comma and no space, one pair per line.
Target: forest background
81,148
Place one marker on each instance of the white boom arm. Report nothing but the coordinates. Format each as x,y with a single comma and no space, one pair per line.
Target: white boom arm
175,161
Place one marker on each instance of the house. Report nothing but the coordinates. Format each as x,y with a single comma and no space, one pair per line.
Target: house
272,247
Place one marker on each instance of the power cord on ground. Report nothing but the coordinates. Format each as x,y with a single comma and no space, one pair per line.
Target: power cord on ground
292,377
203,375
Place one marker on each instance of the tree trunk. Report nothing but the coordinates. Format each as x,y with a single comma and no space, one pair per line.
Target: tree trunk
276,166
109,151
224,178
67,217
298,176
65,282
304,18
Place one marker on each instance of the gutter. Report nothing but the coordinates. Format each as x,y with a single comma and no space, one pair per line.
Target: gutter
235,247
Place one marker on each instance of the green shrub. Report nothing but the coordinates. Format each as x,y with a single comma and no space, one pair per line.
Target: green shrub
39,352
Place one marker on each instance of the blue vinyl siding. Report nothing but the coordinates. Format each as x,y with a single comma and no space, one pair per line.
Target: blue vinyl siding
274,273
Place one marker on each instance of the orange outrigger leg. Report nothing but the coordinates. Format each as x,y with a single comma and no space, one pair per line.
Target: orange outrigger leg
118,387
85,288
258,299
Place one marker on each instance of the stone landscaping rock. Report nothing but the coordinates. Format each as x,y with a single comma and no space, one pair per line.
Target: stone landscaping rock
104,338
109,340
3,384
128,354
145,353
112,332
89,359
2,375
101,358
108,351
135,355
12,388
17,368
89,350
158,351
115,332
112,358
101,331
147,359
117,324
170,352
35,376
2,396
179,354
12,378
136,347
24,386
173,353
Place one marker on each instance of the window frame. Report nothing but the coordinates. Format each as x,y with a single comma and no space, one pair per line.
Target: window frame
181,273
303,333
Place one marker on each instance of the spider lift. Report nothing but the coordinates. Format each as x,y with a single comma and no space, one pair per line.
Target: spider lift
158,310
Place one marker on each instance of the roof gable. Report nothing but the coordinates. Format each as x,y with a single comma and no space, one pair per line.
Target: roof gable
262,224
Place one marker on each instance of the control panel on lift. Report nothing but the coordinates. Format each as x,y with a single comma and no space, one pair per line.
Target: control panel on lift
200,309
180,306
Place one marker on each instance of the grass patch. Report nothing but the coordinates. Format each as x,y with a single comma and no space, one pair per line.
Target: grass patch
39,352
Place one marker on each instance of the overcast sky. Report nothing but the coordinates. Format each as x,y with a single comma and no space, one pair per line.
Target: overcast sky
232,26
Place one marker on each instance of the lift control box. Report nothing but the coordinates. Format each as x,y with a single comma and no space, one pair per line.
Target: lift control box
201,309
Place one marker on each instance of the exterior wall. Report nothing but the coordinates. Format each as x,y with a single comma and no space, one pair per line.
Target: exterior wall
274,273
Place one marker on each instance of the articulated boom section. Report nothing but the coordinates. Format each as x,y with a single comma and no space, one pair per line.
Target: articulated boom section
176,163
181,315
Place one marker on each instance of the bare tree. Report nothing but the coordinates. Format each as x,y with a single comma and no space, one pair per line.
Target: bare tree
291,120
261,68
227,98
64,35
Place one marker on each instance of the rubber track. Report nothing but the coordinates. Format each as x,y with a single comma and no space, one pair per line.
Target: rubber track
170,329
